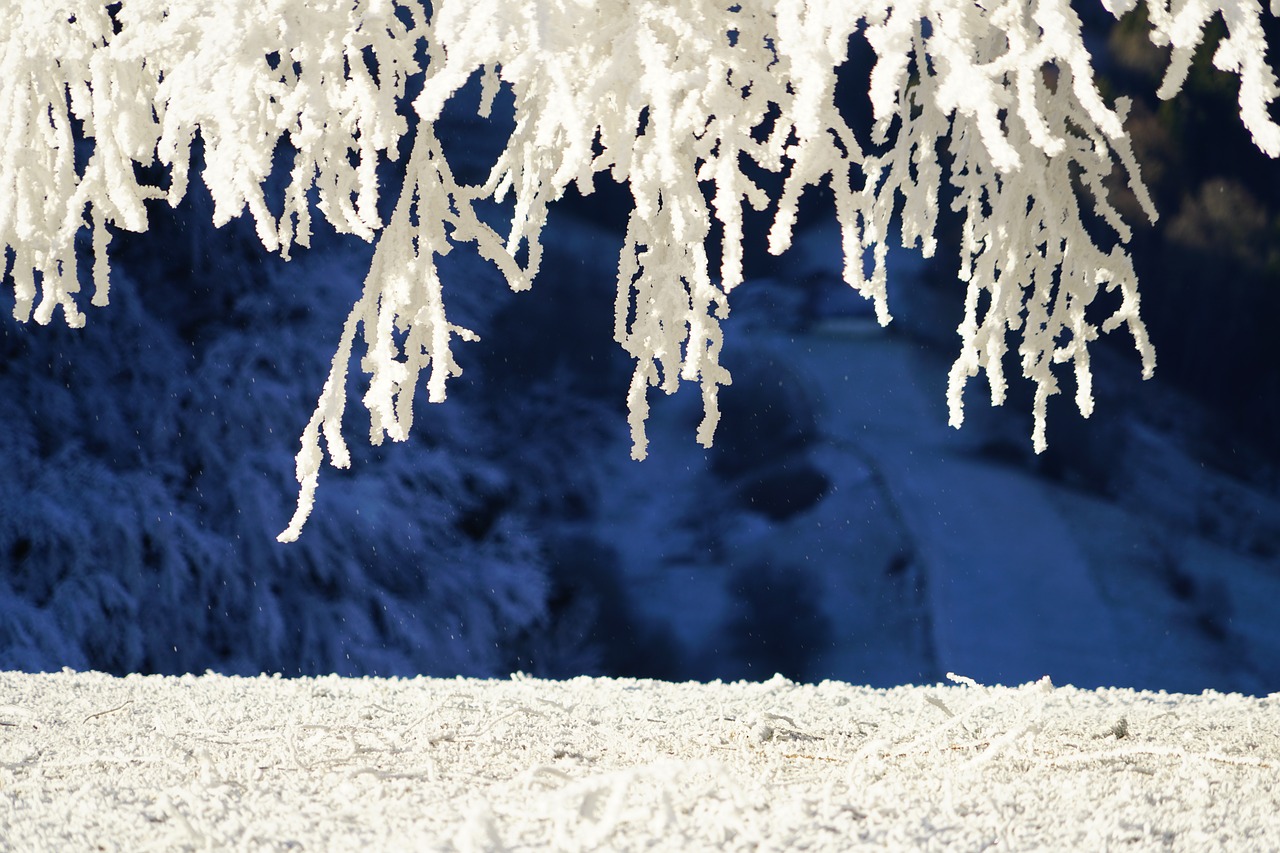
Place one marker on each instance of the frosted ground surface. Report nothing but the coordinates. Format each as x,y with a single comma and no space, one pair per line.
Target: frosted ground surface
88,761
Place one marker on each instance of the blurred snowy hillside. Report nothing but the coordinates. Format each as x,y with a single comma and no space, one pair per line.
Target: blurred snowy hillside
838,529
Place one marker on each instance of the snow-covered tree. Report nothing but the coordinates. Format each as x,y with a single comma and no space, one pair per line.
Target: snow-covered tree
688,102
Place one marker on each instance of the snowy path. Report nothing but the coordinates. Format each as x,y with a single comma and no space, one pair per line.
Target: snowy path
983,573
90,762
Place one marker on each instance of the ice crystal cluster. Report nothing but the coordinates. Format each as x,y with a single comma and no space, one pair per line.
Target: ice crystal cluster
684,101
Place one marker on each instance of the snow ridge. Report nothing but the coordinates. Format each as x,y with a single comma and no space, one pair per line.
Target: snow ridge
88,760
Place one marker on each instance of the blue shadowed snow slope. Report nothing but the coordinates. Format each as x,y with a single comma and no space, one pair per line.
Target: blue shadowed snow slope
838,529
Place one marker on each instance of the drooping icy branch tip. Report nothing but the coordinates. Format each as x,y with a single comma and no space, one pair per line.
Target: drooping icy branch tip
725,89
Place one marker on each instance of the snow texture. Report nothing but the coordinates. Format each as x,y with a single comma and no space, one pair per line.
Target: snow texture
88,761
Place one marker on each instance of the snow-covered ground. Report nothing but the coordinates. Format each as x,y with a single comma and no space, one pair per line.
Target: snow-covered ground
838,530
92,762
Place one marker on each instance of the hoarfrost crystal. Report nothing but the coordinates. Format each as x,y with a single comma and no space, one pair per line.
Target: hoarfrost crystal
668,97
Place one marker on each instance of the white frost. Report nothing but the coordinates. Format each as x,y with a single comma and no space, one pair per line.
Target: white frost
87,760
667,96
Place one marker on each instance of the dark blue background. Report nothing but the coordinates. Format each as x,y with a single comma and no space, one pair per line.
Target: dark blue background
837,529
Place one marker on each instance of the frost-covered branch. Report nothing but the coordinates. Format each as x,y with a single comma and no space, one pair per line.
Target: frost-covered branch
682,100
